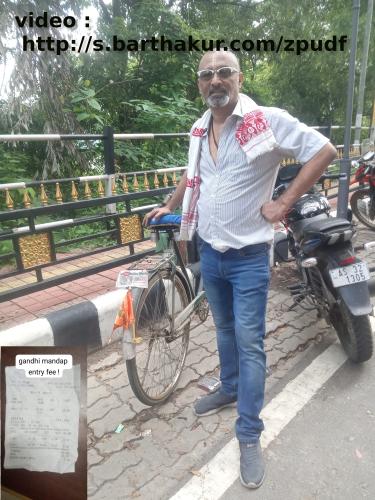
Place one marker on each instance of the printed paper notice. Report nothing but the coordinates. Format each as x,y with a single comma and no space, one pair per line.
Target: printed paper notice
42,421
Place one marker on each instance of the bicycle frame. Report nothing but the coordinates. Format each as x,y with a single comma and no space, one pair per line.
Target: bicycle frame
179,322
177,265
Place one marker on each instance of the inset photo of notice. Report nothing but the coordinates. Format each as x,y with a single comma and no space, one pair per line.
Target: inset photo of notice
43,423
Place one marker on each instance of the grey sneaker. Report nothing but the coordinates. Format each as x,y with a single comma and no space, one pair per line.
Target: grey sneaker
252,470
212,403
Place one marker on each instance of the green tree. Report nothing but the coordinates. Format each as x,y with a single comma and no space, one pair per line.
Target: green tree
39,80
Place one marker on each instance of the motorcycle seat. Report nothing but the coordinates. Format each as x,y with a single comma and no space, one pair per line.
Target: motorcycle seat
307,228
299,226
329,225
323,232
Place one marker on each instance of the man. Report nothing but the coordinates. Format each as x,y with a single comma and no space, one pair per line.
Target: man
235,151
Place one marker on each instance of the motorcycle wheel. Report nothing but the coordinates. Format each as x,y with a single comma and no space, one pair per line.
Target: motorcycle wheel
361,215
354,332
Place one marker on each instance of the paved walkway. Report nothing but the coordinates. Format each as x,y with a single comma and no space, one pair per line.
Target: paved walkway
327,452
38,304
162,447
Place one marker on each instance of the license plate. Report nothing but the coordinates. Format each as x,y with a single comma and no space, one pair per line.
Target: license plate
355,273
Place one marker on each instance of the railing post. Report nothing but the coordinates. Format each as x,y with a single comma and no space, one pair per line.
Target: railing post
109,151
329,131
372,128
345,164
109,165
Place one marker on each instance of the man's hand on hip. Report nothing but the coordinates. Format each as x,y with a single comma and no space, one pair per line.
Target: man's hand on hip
156,213
273,211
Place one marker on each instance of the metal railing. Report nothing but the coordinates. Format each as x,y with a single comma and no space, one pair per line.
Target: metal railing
36,226
39,235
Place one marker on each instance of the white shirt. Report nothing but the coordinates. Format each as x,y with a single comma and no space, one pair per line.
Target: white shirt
233,191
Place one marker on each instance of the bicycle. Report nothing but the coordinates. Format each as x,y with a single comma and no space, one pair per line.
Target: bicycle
155,348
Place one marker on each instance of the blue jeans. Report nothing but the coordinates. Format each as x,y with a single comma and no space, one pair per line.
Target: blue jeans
236,284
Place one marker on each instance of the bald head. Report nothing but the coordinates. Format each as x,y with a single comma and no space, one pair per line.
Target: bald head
219,57
220,90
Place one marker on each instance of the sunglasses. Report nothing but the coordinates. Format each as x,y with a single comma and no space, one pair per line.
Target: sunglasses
223,73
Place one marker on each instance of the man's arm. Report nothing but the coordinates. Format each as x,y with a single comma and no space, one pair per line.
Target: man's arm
273,211
171,205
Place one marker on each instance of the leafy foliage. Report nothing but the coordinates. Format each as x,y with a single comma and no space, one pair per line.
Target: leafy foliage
156,91
38,81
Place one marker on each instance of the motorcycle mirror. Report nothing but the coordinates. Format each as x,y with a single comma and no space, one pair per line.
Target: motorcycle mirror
366,146
368,156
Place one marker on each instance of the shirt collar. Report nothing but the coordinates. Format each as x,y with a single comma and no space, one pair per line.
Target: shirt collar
238,109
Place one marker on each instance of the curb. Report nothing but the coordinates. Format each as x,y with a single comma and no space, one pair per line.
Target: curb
87,323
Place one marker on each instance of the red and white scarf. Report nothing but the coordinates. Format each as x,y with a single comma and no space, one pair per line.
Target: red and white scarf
254,136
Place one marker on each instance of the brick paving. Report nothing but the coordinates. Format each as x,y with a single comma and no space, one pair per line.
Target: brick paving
175,443
38,304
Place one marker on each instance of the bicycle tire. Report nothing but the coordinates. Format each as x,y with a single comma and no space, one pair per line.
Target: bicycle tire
156,368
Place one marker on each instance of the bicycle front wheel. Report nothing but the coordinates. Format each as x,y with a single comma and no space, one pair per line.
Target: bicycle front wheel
155,370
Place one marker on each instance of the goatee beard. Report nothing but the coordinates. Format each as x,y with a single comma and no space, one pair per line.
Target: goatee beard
218,100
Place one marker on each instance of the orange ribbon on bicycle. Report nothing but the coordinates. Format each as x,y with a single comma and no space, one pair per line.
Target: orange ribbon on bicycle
125,315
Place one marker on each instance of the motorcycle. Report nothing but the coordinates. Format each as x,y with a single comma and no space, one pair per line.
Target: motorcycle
362,201
333,279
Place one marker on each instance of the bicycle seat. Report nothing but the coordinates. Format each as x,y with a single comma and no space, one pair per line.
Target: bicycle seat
169,221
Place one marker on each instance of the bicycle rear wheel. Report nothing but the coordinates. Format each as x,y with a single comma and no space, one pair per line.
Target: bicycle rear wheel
159,360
